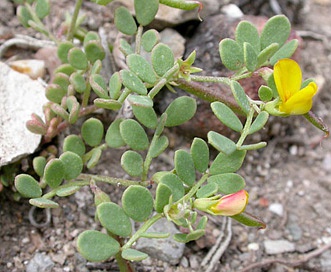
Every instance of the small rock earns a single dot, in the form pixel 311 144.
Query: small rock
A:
pixel 278 246
pixel 194 262
pixel 167 249
pixel 327 162
pixel 33 68
pixel 295 230
pixel 40 263
pixel 277 208
pixel 253 247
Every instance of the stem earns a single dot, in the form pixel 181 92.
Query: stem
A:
pixel 142 229
pixel 74 18
pixel 247 127
pixel 194 189
pixel 123 265
pixel 80 183
pixel 138 39
pixel 223 80
pixel 111 180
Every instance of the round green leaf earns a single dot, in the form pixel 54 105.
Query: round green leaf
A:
pixel 55 93
pixel 99 86
pixel 67 191
pixel 247 32
pixel 43 203
pixel 96 246
pixel 276 30
pixel 113 136
pixel 227 163
pixel 27 186
pixel 39 164
pixel 91 36
pixel 149 39
pixel 24 16
pixel 286 51
pixel 133 255
pixel 228 183
pixel 250 57
pixel 92 131
pixel 132 162
pixel 62 80
pixel 63 51
pixel 207 190
pixel 145 10
pixel 221 143
pixel 184 167
pixel 65 68
pixel 134 135
pixel 267 53
pixel 231 54
pixel 124 21
pixel 176 186
pixel 259 122
pixel 115 85
pixel 77 59
pixel 125 47
pixel 74 144
pixel 94 51
pixel 159 146
pixel 132 82
pixel 137 202
pixel 180 110
pixel 146 116
pixel 54 172
pixel 240 96
pixel 141 67
pixel 265 93
pixel 78 81
pixel 73 165
pixel 42 8
pixel 114 219
pixel 162 59
pixel 109 104
pixel 95 155
pixel 200 154
pixel 226 116
pixel 140 101
pixel 162 196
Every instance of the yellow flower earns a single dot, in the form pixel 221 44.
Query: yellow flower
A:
pixel 288 79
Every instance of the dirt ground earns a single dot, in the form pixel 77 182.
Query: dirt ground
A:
pixel 289 183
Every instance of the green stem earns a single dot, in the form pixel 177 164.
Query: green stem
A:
pixel 194 189
pixel 246 128
pixel 111 180
pixel 138 39
pixel 223 80
pixel 74 18
pixel 142 229
pixel 80 183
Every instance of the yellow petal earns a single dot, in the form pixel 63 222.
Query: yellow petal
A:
pixel 301 102
pixel 288 76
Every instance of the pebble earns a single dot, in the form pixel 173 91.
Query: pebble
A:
pixel 278 246
pixel 253 247
pixel 277 208
pixel 326 165
pixel 40 262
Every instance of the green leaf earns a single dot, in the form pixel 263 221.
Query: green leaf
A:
pixel 140 101
pixel 221 143
pixel 39 164
pixel 27 186
pixel 249 220
pixel 184 167
pixel 99 86
pixel 240 96
pixel 109 104
pixel 207 190
pixel 226 116
pixel 96 246
pixel 55 93
pixel 65 68
pixel 162 59
pixel 246 32
pixel 200 154
pixel 259 122
pixel 231 54
pixel 180 110
pixel 74 109
pixel 67 191
pixel 96 67
pixel 60 111
pixel 145 10
pixel 114 219
pixel 92 131
pixel 91 36
pixel 94 157
pixel 133 255
pixel 54 172
pixel 132 162
pixel 78 81
pixel 159 146
pixel 42 8
pixel 94 51
pixel 43 203
pixel 149 39
pixel 250 57
pixel 115 85
pixel 62 80
pixel 141 67
pixel 228 183
pixel 113 136
pixel 276 30
pixel 124 21
pixel 73 165
pixel 102 2
pixel 74 144
pixel 286 51
pixel 137 202
pixel 134 135
pixel 195 235
pixel 265 93
pixel 267 53
pixel 162 196
pixel 146 116
pixel 24 16
pixel 224 163
pixel 77 59
pixel 125 47
pixel 132 82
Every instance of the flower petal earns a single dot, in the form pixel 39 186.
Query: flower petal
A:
pixel 231 204
pixel 301 102
pixel 288 77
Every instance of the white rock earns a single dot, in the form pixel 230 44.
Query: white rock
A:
pixel 278 246
pixel 253 247
pixel 31 67
pixel 20 97
pixel 276 208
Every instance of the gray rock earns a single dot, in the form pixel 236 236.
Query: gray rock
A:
pixel 276 208
pixel 167 249
pixel 40 263
pixel 20 97
pixel 278 246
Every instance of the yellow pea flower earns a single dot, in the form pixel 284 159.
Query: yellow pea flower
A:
pixel 288 80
